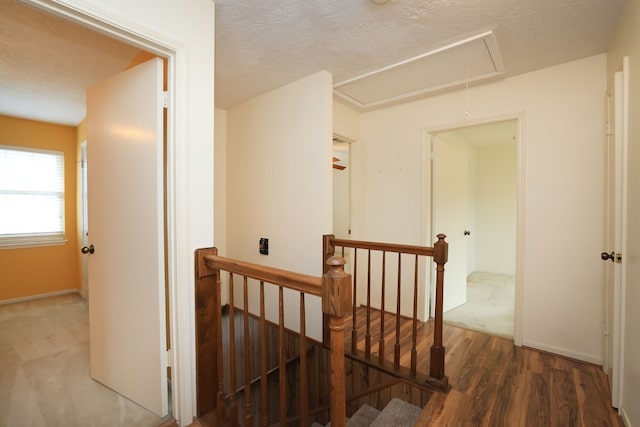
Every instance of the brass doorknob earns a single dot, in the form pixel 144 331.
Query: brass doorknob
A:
pixel 88 250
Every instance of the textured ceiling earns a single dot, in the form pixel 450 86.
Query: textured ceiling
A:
pixel 264 44
pixel 46 64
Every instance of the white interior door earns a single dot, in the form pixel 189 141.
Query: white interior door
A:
pixel 450 212
pixel 615 230
pixel 126 271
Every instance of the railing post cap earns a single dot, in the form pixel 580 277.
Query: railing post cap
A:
pixel 336 261
pixel 336 288
pixel 441 236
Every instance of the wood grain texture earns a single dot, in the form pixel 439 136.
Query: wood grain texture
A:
pixel 493 383
pixel 439 252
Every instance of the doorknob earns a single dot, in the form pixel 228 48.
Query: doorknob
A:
pixel 88 250
pixel 606 256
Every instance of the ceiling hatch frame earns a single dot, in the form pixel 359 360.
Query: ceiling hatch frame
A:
pixel 460 63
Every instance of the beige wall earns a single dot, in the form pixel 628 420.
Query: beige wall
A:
pixel 626 42
pixel 562 112
pixel 346 121
pixel 279 181
pixel 28 272
pixel 220 188
pixel 496 202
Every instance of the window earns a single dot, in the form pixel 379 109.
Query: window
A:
pixel 31 196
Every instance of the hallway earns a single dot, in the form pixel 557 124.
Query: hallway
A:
pixel 44 381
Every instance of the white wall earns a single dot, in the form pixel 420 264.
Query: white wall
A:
pixel 280 182
pixel 220 189
pixel 626 42
pixel 496 202
pixel 346 121
pixel 563 110
pixel 188 29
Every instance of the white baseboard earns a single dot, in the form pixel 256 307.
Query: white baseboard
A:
pixel 565 352
pixel 39 296
pixel 625 418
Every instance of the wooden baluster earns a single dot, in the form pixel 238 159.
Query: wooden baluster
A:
pixel 382 308
pixel 248 416
pixel 436 368
pixel 414 335
pixel 232 355
pixel 264 391
pixel 282 359
pixel 336 301
pixel 354 329
pixel 396 355
pixel 367 334
pixel 304 380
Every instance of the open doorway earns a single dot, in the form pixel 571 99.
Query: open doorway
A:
pixel 474 202
pixel 341 187
pixel 63 23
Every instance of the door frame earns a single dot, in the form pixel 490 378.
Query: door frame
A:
pixel 84 218
pixel 179 259
pixel 615 274
pixel 426 216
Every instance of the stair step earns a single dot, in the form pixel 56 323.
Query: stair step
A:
pixel 397 413
pixel 363 417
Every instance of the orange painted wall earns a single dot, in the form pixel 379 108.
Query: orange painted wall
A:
pixel 27 272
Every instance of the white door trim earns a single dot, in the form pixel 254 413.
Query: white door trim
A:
pixel 622 124
pixel 179 261
pixel 520 220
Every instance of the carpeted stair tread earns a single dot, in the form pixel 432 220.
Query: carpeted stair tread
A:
pixel 397 413
pixel 363 417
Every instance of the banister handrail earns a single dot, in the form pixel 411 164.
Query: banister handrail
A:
pixel 436 376
pixel 334 289
pixel 387 247
pixel 288 279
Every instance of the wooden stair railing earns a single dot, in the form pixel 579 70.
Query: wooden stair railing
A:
pixel 216 362
pixel 436 377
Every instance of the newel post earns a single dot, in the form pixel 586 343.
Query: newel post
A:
pixel 207 304
pixel 336 303
pixel 436 369
pixel 328 250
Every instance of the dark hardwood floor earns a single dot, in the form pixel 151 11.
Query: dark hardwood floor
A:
pixel 494 383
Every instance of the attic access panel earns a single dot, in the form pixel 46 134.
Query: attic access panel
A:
pixel 468 60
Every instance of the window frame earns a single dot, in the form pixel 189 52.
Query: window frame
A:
pixel 37 239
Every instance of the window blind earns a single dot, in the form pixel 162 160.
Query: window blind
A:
pixel 31 195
